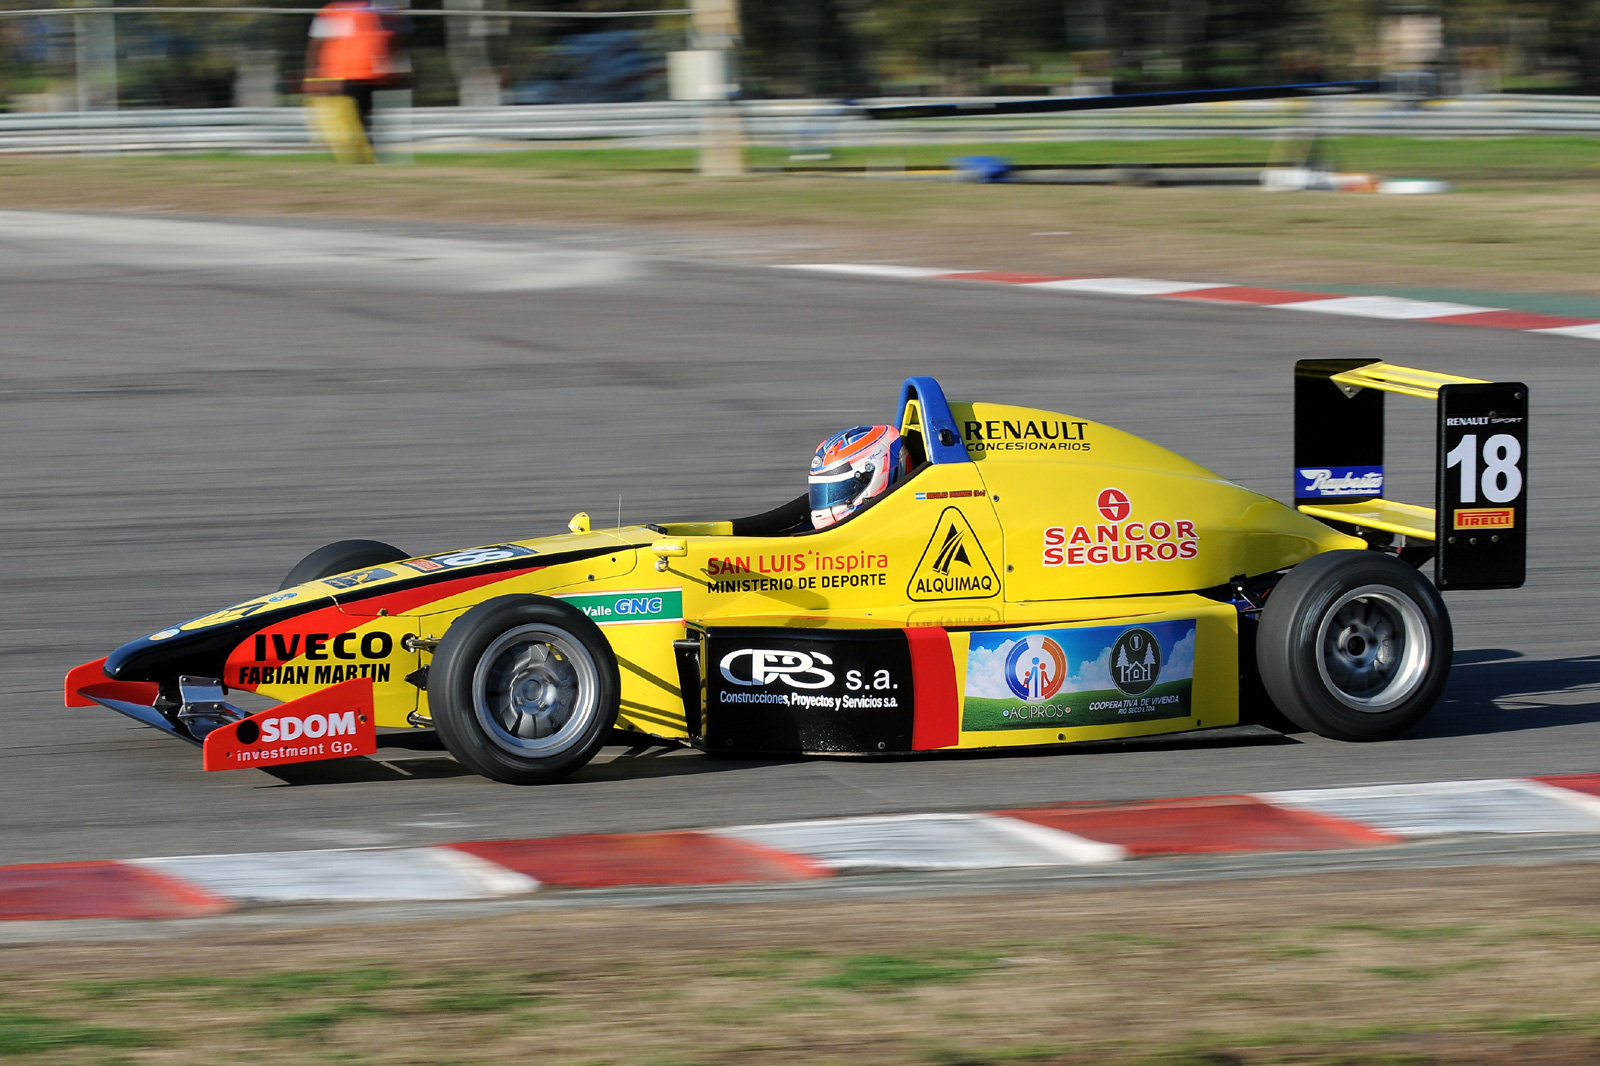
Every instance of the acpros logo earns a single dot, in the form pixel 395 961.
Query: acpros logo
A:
pixel 753 667
pixel 312 725
pixel 1035 668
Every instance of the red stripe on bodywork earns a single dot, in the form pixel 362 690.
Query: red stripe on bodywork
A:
pixel 645 859
pixel 66 890
pixel 1211 823
pixel 407 600
pixel 336 618
pixel 937 721
pixel 1245 294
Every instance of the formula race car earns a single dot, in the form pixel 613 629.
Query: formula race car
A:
pixel 1037 579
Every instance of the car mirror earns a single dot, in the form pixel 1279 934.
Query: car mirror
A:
pixel 663 549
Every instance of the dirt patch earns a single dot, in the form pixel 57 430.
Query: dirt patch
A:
pixel 1461 966
pixel 1514 235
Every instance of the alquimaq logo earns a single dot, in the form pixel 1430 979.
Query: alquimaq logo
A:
pixel 1035 668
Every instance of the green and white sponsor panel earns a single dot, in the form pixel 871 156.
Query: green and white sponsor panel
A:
pixel 634 607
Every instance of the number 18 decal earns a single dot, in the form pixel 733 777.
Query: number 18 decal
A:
pixel 1502 477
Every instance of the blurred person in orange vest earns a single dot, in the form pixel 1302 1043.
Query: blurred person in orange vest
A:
pixel 355 51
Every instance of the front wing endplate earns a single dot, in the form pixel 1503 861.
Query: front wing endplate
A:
pixel 335 723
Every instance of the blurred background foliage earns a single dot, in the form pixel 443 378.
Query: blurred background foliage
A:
pixel 850 48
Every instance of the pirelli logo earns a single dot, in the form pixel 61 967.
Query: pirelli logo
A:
pixel 1485 518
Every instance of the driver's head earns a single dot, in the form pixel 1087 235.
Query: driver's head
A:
pixel 851 468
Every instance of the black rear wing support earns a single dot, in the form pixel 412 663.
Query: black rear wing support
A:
pixel 1477 526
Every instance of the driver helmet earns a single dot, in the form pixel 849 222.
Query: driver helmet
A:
pixel 853 467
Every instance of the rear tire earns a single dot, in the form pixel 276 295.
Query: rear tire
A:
pixel 341 557
pixel 523 689
pixel 1354 645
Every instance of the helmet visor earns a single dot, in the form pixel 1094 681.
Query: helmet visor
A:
pixel 829 494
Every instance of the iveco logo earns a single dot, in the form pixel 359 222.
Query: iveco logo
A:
pixel 797 669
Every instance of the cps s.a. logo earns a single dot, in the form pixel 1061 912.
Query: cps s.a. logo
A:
pixel 756 667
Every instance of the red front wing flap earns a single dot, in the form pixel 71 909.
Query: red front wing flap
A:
pixel 335 723
pixel 92 676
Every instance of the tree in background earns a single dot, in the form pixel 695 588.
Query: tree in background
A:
pixel 847 47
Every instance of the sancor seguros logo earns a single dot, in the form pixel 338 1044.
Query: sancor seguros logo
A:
pixel 754 667
pixel 1035 668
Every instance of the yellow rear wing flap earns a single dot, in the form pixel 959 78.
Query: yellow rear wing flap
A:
pixel 1477 527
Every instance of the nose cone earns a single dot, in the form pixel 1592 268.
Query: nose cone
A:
pixel 164 655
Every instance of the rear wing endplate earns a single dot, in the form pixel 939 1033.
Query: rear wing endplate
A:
pixel 1478 523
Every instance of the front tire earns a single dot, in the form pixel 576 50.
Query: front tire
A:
pixel 1354 645
pixel 341 557
pixel 523 689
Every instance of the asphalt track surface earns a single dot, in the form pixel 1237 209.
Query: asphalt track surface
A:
pixel 181 426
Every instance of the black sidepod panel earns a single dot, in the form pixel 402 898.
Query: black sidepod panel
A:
pixel 791 690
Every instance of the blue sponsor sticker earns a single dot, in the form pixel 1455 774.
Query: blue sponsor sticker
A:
pixel 1337 482
pixel 362 577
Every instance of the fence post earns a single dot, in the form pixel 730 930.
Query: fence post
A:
pixel 715 25
pixel 94 55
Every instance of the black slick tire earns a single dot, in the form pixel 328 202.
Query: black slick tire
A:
pixel 1354 645
pixel 341 557
pixel 523 689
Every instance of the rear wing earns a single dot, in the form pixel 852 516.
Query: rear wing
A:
pixel 1477 527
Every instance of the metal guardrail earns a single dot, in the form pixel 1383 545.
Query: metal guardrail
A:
pixel 785 123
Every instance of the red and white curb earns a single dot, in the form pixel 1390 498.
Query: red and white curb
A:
pixel 1386 307
pixel 1070 834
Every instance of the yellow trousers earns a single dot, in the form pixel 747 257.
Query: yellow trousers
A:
pixel 335 122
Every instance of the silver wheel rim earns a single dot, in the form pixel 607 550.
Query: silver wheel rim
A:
pixel 1373 648
pixel 535 691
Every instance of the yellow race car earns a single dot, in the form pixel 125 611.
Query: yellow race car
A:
pixel 1036 579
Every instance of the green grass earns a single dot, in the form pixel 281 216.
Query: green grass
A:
pixel 1116 941
pixel 1453 156
pixel 1292 951
pixel 1537 1026
pixel 301 1024
pixel 1403 156
pixel 1431 973
pixel 480 1001
pixel 32 1034
pixel 1402 973
pixel 889 972
pixel 272 987
pixel 1413 932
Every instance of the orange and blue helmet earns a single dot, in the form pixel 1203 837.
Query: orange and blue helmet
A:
pixel 853 467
